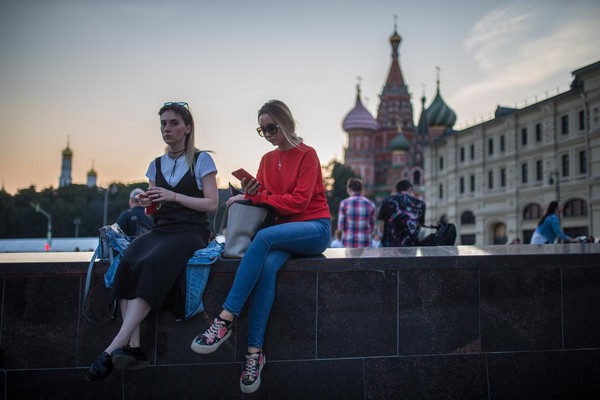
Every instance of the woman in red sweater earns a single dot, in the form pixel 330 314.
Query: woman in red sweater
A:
pixel 289 180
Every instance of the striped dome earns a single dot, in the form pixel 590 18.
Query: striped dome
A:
pixel 438 113
pixel 359 117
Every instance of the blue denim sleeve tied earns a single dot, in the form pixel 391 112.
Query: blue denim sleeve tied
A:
pixel 197 271
pixel 119 242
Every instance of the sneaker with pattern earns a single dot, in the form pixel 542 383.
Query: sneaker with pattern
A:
pixel 218 332
pixel 250 379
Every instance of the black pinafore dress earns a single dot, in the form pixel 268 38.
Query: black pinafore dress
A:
pixel 154 265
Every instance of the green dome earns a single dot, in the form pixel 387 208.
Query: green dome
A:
pixel 399 143
pixel 439 113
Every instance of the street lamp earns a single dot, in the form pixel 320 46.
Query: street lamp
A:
pixel 112 189
pixel 47 214
pixel 77 222
pixel 554 178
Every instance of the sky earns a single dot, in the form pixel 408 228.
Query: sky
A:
pixel 95 73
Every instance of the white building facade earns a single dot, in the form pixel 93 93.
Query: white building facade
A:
pixel 494 180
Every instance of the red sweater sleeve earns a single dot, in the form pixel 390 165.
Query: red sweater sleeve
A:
pixel 296 191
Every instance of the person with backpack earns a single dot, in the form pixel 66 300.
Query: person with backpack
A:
pixel 401 216
pixel 134 221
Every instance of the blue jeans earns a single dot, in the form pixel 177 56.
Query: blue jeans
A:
pixel 257 272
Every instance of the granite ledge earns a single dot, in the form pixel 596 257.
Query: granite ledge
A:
pixel 335 260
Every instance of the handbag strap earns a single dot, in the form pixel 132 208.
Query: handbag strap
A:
pixel 86 292
pixel 223 218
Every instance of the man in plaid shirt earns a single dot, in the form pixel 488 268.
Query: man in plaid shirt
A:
pixel 356 218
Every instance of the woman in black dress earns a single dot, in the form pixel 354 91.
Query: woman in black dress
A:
pixel 151 275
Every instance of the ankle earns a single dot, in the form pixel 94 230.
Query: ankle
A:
pixel 253 350
pixel 226 316
pixel 227 321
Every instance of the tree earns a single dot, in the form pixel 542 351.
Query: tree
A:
pixel 337 175
pixel 65 204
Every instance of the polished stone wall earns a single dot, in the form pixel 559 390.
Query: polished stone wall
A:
pixel 493 322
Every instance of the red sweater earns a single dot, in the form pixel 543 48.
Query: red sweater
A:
pixel 296 190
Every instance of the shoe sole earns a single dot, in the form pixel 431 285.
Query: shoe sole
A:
pixel 203 349
pixel 254 387
pixel 128 362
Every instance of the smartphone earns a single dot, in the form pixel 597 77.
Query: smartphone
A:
pixel 151 209
pixel 242 174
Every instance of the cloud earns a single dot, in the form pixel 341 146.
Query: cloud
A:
pixel 514 50
pixel 493 35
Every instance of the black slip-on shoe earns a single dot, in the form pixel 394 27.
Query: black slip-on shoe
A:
pixel 100 368
pixel 129 358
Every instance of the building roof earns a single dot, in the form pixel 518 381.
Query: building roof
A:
pixel 422 127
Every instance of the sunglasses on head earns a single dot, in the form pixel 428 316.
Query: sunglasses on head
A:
pixel 271 129
pixel 177 103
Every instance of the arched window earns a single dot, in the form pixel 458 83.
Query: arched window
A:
pixel 532 211
pixel 575 208
pixel 499 231
pixel 467 218
pixel 417 178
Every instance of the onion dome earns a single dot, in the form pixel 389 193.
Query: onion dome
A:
pixel 359 117
pixel 92 172
pixel 438 113
pixel 67 152
pixel 399 143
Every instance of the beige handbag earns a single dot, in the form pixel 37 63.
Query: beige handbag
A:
pixel 243 221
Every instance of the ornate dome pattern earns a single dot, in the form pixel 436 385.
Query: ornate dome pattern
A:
pixel 438 113
pixel 359 117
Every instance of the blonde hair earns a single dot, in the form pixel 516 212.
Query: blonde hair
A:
pixel 283 117
pixel 190 138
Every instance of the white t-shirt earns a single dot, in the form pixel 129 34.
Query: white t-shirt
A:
pixel 174 170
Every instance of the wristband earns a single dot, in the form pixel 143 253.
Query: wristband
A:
pixel 174 196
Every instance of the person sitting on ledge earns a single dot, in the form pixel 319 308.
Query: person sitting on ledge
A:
pixel 289 180
pixel 152 272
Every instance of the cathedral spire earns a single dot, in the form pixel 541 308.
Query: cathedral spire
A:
pixel 395 79
pixel 65 170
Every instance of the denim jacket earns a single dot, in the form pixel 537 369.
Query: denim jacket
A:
pixel 197 271
pixel 119 242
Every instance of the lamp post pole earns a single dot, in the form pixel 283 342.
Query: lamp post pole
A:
pixel 47 214
pixel 554 176
pixel 112 189
pixel 77 222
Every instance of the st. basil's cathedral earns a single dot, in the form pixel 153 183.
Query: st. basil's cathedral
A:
pixel 388 148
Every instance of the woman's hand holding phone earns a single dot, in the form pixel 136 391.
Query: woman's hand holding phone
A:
pixel 249 183
pixel 150 207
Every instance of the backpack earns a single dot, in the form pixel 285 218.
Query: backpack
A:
pixel 445 235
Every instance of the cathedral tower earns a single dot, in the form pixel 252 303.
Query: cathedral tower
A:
pixel 395 116
pixel 65 170
pixel 92 177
